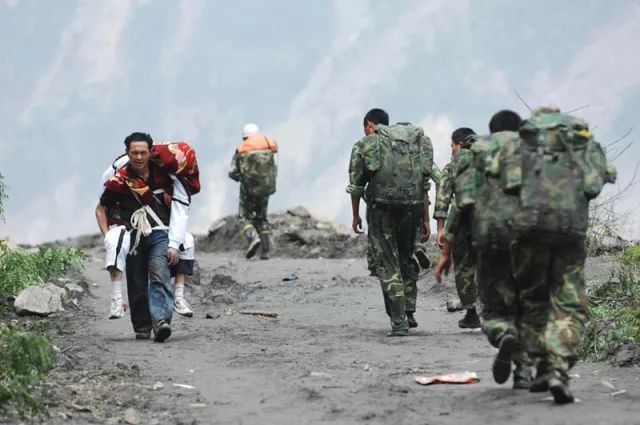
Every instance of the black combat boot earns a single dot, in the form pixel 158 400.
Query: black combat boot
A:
pixel 559 388
pixel 412 320
pixel 471 320
pixel 502 363
pixel 399 324
pixel 265 242
pixel 254 242
pixel 423 260
pixel 540 384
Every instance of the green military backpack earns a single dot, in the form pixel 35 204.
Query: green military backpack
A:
pixel 554 169
pixel 400 159
pixel 258 172
pixel 494 210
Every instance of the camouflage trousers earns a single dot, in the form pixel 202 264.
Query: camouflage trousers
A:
pixel 501 305
pixel 253 211
pixel 392 234
pixel 464 267
pixel 411 296
pixel 551 282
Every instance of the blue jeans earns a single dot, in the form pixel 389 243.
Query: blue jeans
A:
pixel 149 282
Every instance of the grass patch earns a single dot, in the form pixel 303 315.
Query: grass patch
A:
pixel 615 310
pixel 19 269
pixel 24 358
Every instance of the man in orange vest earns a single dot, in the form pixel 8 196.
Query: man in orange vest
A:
pixel 254 166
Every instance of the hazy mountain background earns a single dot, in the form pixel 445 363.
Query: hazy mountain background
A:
pixel 77 76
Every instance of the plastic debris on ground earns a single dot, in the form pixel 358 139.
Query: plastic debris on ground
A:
pixel 449 378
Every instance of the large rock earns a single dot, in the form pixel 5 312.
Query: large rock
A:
pixel 40 300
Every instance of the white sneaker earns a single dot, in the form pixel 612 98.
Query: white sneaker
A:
pixel 117 307
pixel 182 307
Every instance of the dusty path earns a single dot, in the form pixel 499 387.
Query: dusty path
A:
pixel 326 358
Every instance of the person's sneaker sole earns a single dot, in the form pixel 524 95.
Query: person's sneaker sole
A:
pixel 423 260
pixel 253 248
pixel 502 364
pixel 162 333
pixel 560 391
pixel 187 314
pixel 115 316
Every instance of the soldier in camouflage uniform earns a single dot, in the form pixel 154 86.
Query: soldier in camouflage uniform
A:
pixel 538 302
pixel 496 287
pixel 551 224
pixel 392 164
pixel 463 258
pixel 254 166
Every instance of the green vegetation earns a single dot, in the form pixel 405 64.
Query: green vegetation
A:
pixel 615 310
pixel 24 358
pixel 19 269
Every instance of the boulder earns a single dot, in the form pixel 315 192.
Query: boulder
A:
pixel 40 300
pixel 74 289
pixel 299 211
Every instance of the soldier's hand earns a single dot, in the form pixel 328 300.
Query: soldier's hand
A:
pixel 356 225
pixel 173 255
pixel 426 231
pixel 444 265
pixel 439 239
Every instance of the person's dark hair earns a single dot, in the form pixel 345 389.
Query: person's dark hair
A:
pixel 138 137
pixel 376 116
pixel 459 135
pixel 505 120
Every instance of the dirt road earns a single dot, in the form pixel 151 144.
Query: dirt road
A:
pixel 324 359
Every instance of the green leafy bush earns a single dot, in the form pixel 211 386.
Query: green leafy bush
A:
pixel 631 256
pixel 19 269
pixel 615 312
pixel 24 358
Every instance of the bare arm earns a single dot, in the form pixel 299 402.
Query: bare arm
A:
pixel 356 224
pixel 426 227
pixel 101 217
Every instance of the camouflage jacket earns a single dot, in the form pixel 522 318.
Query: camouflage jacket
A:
pixel 444 192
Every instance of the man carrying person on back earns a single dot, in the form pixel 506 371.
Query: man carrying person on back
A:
pixel 139 189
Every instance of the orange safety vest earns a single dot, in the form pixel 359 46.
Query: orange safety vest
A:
pixel 257 142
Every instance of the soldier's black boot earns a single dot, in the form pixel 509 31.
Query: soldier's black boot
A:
pixel 265 243
pixel 423 260
pixel 559 388
pixel 399 324
pixel 412 320
pixel 540 384
pixel 502 363
pixel 254 242
pixel 471 320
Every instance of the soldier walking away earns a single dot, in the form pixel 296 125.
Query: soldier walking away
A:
pixel 391 167
pixel 489 209
pixel 555 170
pixel 463 258
pixel 254 166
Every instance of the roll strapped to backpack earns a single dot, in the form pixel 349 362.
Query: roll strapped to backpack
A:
pixel 400 159
pixel 555 169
